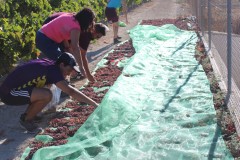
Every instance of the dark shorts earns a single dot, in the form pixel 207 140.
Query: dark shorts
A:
pixel 48 47
pixel 17 97
pixel 111 14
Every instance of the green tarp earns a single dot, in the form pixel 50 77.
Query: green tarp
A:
pixel 160 107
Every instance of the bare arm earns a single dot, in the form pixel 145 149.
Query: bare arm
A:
pixel 85 65
pixel 76 94
pixel 75 34
pixel 67 46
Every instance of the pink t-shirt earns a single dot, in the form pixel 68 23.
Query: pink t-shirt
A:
pixel 60 28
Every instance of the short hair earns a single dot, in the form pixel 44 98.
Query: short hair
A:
pixel 100 28
pixel 85 18
pixel 68 60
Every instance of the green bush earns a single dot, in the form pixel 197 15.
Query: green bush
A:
pixel 21 19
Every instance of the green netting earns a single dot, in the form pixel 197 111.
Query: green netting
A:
pixel 160 107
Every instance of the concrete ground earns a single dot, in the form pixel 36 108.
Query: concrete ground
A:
pixel 13 140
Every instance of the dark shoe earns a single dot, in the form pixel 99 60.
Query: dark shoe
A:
pixel 63 95
pixel 118 37
pixel 116 41
pixel 36 119
pixel 22 117
pixel 30 126
pixel 71 84
pixel 77 77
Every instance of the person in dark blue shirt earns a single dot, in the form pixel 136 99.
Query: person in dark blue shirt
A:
pixel 25 85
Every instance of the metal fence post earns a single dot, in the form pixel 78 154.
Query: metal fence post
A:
pixel 202 17
pixel 209 24
pixel 229 48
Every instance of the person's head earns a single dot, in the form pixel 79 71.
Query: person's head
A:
pixel 67 63
pixel 99 30
pixel 85 18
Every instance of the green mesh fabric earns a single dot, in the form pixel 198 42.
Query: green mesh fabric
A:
pixel 160 107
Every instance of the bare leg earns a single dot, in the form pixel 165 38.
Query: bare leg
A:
pixel 115 30
pixel 40 97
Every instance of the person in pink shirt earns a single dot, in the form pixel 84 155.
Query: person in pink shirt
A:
pixel 67 26
pixel 98 31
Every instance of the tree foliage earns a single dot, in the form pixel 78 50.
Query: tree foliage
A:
pixel 19 21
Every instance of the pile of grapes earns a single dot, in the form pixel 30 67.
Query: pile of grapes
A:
pixel 67 122
pixel 224 118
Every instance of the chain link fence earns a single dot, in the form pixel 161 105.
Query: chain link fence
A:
pixel 219 22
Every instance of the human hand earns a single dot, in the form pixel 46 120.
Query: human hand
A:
pixel 91 78
pixel 68 49
pixel 82 72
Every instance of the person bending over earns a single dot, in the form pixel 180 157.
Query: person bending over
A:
pixel 96 32
pixel 67 26
pixel 29 86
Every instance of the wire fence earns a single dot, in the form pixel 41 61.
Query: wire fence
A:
pixel 219 22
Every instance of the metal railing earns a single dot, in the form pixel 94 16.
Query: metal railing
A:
pixel 219 22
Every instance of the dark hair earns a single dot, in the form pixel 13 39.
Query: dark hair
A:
pixel 100 28
pixel 68 60
pixel 65 58
pixel 85 18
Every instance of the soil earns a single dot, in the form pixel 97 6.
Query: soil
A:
pixel 12 147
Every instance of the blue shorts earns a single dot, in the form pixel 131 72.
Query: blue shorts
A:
pixel 17 97
pixel 48 47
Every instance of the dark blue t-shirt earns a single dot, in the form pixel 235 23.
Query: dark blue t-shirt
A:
pixel 35 73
